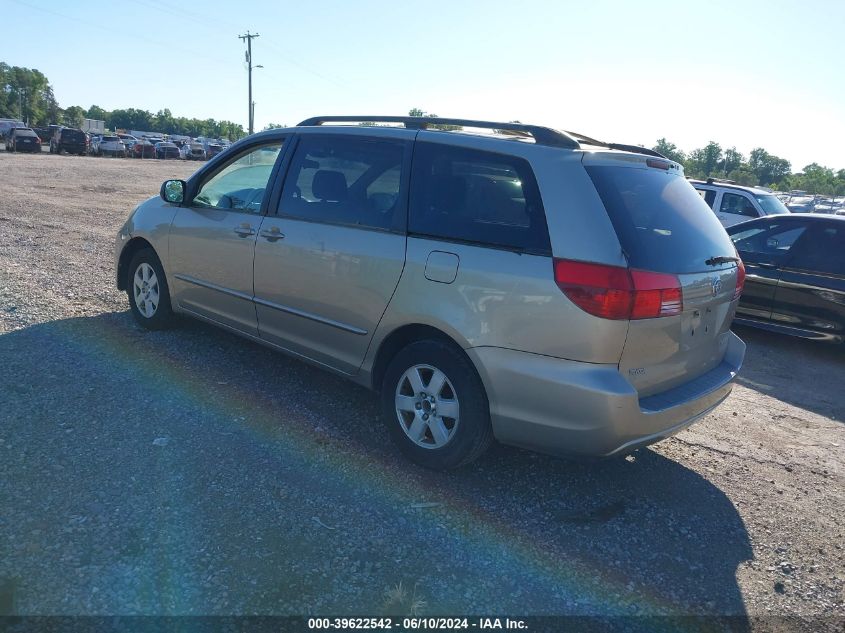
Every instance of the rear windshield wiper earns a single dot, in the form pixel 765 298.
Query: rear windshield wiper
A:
pixel 721 259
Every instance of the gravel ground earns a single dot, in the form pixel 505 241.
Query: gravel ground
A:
pixel 191 472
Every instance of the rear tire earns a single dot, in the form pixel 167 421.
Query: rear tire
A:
pixel 149 296
pixel 435 407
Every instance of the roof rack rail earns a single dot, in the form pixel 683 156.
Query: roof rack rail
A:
pixel 724 181
pixel 636 149
pixel 541 135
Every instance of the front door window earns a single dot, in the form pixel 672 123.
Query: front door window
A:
pixel 240 184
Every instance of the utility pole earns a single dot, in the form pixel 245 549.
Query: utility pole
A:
pixel 248 39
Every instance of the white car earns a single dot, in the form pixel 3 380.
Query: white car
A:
pixel 733 204
pixel 110 146
pixel 192 150
pixel 93 142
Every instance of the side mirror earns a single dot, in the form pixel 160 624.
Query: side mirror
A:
pixel 173 191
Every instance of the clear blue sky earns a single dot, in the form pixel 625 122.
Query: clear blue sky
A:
pixel 741 73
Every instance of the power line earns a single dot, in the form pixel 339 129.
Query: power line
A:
pixel 287 56
pixel 121 37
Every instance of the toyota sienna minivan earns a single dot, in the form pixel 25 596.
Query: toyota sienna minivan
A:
pixel 488 280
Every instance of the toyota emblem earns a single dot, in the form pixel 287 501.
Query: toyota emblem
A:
pixel 717 286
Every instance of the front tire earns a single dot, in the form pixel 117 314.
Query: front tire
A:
pixel 435 407
pixel 149 296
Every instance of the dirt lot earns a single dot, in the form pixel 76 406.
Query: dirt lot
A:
pixel 190 472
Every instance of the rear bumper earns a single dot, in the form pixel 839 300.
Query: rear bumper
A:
pixel 565 407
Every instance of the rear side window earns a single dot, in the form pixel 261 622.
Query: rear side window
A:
pixel 737 205
pixel 476 196
pixel 709 196
pixel 770 239
pixel 662 223
pixel 346 180
pixel 823 252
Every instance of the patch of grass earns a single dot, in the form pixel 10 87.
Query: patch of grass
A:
pixel 400 601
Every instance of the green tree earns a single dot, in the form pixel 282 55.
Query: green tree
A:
pixel 731 161
pixel 704 162
pixel 274 126
pixel 669 150
pixel 73 116
pixel 743 176
pixel 97 113
pixel 768 168
pixel 53 113
pixel 818 180
pixel 163 122
pixel 24 94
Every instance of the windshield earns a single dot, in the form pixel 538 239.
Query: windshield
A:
pixel 771 205
pixel 663 224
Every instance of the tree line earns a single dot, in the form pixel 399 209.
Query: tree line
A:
pixel 26 94
pixel 760 168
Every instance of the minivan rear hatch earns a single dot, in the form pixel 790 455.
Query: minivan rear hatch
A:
pixel 666 229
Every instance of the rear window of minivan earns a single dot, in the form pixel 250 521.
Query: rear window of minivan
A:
pixel 662 223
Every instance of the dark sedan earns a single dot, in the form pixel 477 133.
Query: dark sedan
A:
pixel 166 150
pixel 795 267
pixel 22 139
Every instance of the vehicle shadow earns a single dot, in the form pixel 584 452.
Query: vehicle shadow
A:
pixel 783 366
pixel 189 471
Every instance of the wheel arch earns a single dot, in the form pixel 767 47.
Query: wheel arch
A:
pixel 400 338
pixel 132 246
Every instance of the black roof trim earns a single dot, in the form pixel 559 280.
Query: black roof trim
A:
pixel 636 149
pixel 724 185
pixel 541 135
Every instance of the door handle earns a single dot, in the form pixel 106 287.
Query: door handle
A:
pixel 244 229
pixel 272 234
pixel 767 265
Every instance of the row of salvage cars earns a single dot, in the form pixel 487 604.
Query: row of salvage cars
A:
pixel 74 141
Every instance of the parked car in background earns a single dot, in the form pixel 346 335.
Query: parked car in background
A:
pixel 111 146
pixel 8 124
pixel 44 134
pixel 733 204
pixel 166 150
pixel 795 274
pixel 142 148
pixel 128 142
pixel 211 148
pixel 455 286
pixel 192 150
pixel 801 204
pixel 70 140
pixel 828 205
pixel 22 139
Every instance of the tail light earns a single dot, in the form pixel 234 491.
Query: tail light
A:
pixel 613 292
pixel 740 279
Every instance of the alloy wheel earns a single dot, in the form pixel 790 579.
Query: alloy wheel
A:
pixel 427 406
pixel 146 290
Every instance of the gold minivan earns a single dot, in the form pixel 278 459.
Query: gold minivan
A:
pixel 489 280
